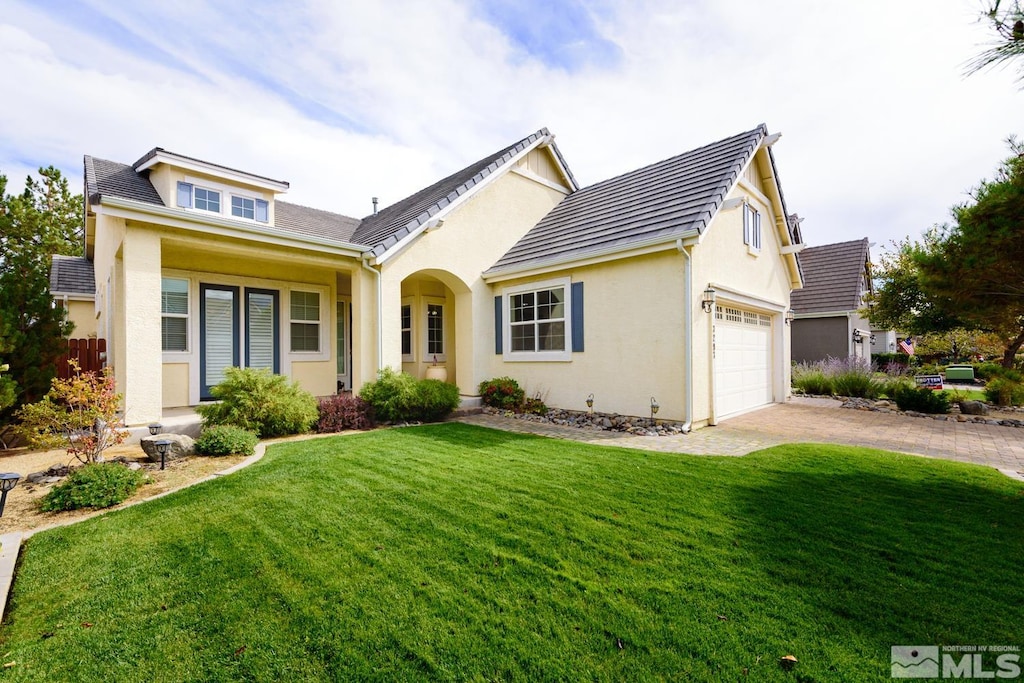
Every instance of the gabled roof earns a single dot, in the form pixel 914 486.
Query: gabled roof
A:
pixel 71 275
pixel 833 274
pixel 386 228
pixel 660 201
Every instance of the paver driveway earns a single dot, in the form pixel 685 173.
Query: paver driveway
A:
pixel 818 421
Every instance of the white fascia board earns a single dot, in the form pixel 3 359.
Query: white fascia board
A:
pixel 746 299
pixel 72 296
pixel 400 246
pixel 213 225
pixel 171 159
pixel 591 258
pixel 770 140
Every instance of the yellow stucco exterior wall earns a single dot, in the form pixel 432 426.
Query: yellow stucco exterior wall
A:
pixel 83 315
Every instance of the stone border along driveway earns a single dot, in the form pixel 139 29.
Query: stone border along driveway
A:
pixel 812 420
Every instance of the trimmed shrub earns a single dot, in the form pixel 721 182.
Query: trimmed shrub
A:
pixel 391 396
pixel 854 377
pixel 922 400
pixel 501 392
pixel 1005 391
pixel 535 406
pixel 96 485
pixel 884 360
pixel 399 397
pixel 988 370
pixel 892 384
pixel 342 412
pixel 261 402
pixel 226 440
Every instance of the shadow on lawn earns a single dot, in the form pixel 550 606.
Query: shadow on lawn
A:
pixel 467 436
pixel 921 552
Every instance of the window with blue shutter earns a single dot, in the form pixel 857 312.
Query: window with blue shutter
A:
pixel 185 195
pixel 576 307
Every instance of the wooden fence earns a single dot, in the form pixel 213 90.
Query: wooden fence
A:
pixel 91 355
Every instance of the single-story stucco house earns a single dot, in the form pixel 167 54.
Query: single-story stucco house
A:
pixel 672 281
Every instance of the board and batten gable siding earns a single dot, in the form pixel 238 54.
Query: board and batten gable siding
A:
pixel 633 324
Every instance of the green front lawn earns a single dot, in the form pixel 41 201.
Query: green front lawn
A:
pixel 454 552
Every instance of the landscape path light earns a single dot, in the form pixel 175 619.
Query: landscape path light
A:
pixel 161 447
pixel 8 480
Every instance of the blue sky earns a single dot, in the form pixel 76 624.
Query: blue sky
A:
pixel 882 133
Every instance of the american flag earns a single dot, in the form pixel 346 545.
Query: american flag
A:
pixel 907 346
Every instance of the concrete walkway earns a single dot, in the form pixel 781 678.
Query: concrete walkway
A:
pixel 816 421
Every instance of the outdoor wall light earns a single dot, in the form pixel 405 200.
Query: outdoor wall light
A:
pixel 708 302
pixel 654 408
pixel 161 447
pixel 789 316
pixel 590 402
pixel 155 428
pixel 8 480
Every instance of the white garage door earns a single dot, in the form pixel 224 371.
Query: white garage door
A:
pixel 743 369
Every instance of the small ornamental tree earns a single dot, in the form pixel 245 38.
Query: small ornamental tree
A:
pixel 79 414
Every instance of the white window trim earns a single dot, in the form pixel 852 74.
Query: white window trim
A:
pixel 434 301
pixel 178 356
pixel 324 353
pixel 226 193
pixel 410 302
pixel 508 355
pixel 753 237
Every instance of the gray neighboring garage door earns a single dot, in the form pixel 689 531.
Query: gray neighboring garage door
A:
pixel 743 369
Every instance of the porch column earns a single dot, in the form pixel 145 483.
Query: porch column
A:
pixel 364 327
pixel 391 312
pixel 141 360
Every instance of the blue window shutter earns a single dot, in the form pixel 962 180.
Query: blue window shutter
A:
pixel 185 195
pixel 576 303
pixel 262 210
pixel 498 332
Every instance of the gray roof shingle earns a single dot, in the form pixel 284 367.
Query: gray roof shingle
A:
pixel 314 222
pixel 394 222
pixel 833 274
pixel 110 179
pixel 72 275
pixel 663 199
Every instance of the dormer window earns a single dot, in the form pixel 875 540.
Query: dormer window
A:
pixel 192 196
pixel 246 207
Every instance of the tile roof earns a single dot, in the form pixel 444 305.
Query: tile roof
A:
pixel 833 274
pixel 72 275
pixel 661 200
pixel 394 222
pixel 378 232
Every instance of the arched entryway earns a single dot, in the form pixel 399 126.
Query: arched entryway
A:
pixel 435 325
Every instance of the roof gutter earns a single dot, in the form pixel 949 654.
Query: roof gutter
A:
pixel 687 336
pixel 661 243
pixel 214 225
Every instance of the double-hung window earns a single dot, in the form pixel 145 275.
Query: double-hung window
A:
pixel 174 314
pixel 751 228
pixel 538 322
pixel 202 198
pixel 435 331
pixel 407 333
pixel 305 322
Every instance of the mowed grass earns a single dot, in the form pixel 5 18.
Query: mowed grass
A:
pixel 452 552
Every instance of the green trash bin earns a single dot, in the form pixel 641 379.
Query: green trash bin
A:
pixel 960 373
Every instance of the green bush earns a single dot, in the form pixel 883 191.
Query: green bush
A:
pixel 811 378
pixel 1005 391
pixel 884 360
pixel 226 440
pixel 96 485
pixel 921 400
pixel 535 406
pixel 893 383
pixel 399 397
pixel 261 402
pixel 988 370
pixel 856 381
pixel 501 392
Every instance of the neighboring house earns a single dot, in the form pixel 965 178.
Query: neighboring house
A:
pixel 199 267
pixel 73 288
pixel 827 322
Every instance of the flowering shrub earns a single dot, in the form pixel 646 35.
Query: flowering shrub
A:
pixel 78 413
pixel 501 392
pixel 844 377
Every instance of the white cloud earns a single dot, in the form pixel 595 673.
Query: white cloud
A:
pixel 882 133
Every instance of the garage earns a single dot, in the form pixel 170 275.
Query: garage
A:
pixel 743 374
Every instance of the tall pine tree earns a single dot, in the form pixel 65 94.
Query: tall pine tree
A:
pixel 43 220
